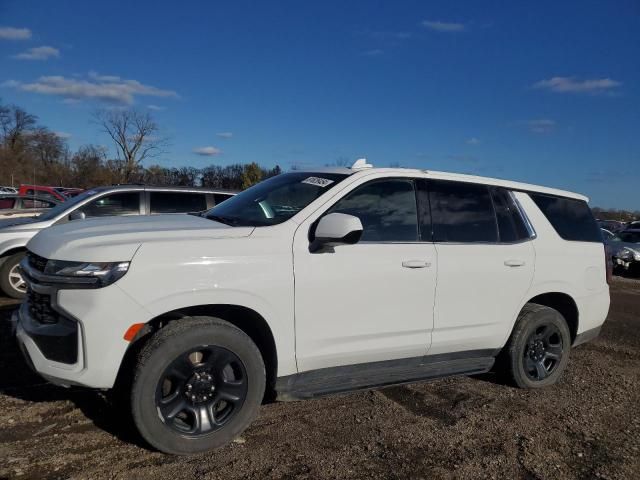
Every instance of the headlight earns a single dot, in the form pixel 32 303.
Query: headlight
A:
pixel 628 253
pixel 92 274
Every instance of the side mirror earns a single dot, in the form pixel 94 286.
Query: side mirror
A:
pixel 336 229
pixel 77 215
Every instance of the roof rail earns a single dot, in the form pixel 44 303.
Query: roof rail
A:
pixel 360 164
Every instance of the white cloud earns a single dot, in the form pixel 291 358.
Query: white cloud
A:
pixel 63 135
pixel 157 108
pixel 373 52
pixel 207 151
pixel 12 33
pixel 105 88
pixel 224 134
pixel 472 141
pixel 10 84
pixel 541 125
pixel 39 53
pixel 438 26
pixel 572 85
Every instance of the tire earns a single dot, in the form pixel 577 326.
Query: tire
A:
pixel 223 390
pixel 538 350
pixel 11 285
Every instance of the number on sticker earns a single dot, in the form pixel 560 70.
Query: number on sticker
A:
pixel 317 181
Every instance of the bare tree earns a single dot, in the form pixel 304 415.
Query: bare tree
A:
pixel 15 123
pixel 136 135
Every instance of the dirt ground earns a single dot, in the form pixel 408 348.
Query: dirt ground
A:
pixel 588 426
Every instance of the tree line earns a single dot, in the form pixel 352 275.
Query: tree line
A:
pixel 32 153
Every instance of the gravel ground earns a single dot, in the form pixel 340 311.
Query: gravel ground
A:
pixel 587 426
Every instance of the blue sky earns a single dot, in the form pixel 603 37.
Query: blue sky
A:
pixel 544 92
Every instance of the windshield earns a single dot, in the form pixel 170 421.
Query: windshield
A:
pixel 69 204
pixel 275 200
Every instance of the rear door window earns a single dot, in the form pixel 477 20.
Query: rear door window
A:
pixel 511 226
pixel 462 212
pixel 571 218
pixel 177 202
pixel 125 203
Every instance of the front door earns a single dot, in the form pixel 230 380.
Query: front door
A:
pixel 371 301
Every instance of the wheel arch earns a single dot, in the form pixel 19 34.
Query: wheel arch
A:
pixel 11 251
pixel 246 319
pixel 564 304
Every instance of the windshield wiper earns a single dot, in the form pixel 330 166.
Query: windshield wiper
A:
pixel 226 220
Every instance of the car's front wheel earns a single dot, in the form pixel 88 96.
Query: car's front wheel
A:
pixel 538 350
pixel 11 280
pixel 198 384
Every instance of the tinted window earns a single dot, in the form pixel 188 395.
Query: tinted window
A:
pixel 114 204
pixel 177 202
pixel 511 226
pixel 7 202
pixel 571 218
pixel 630 237
pixel 387 210
pixel 36 203
pixel 221 197
pixel 461 212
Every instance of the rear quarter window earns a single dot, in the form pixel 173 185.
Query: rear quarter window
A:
pixel 571 218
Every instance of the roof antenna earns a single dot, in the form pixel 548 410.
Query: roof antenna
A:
pixel 361 163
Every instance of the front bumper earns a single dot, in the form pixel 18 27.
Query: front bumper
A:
pixel 89 342
pixel 629 264
pixel 41 344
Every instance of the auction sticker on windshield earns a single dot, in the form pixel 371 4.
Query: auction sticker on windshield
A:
pixel 317 181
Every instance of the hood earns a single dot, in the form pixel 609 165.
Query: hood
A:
pixel 112 239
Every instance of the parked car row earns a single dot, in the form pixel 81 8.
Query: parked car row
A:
pixel 615 226
pixel 123 200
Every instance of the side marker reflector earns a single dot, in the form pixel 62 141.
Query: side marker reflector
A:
pixel 132 331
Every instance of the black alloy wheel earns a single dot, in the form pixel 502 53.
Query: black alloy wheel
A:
pixel 537 351
pixel 543 352
pixel 196 384
pixel 201 390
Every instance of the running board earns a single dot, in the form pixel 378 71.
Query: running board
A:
pixel 363 376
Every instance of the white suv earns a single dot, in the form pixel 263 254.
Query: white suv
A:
pixel 312 283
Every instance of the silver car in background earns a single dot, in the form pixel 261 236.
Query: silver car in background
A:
pixel 624 248
pixel 97 202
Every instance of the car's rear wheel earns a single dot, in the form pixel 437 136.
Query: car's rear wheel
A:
pixel 198 384
pixel 538 350
pixel 12 282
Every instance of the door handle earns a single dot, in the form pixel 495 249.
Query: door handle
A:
pixel 416 264
pixel 514 263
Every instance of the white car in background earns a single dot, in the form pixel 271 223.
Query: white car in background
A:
pixel 99 202
pixel 312 283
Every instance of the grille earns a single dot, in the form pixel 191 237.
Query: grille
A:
pixel 40 308
pixel 37 262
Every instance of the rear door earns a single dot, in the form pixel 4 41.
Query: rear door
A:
pixel 485 264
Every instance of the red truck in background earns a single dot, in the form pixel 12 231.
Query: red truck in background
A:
pixel 57 193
